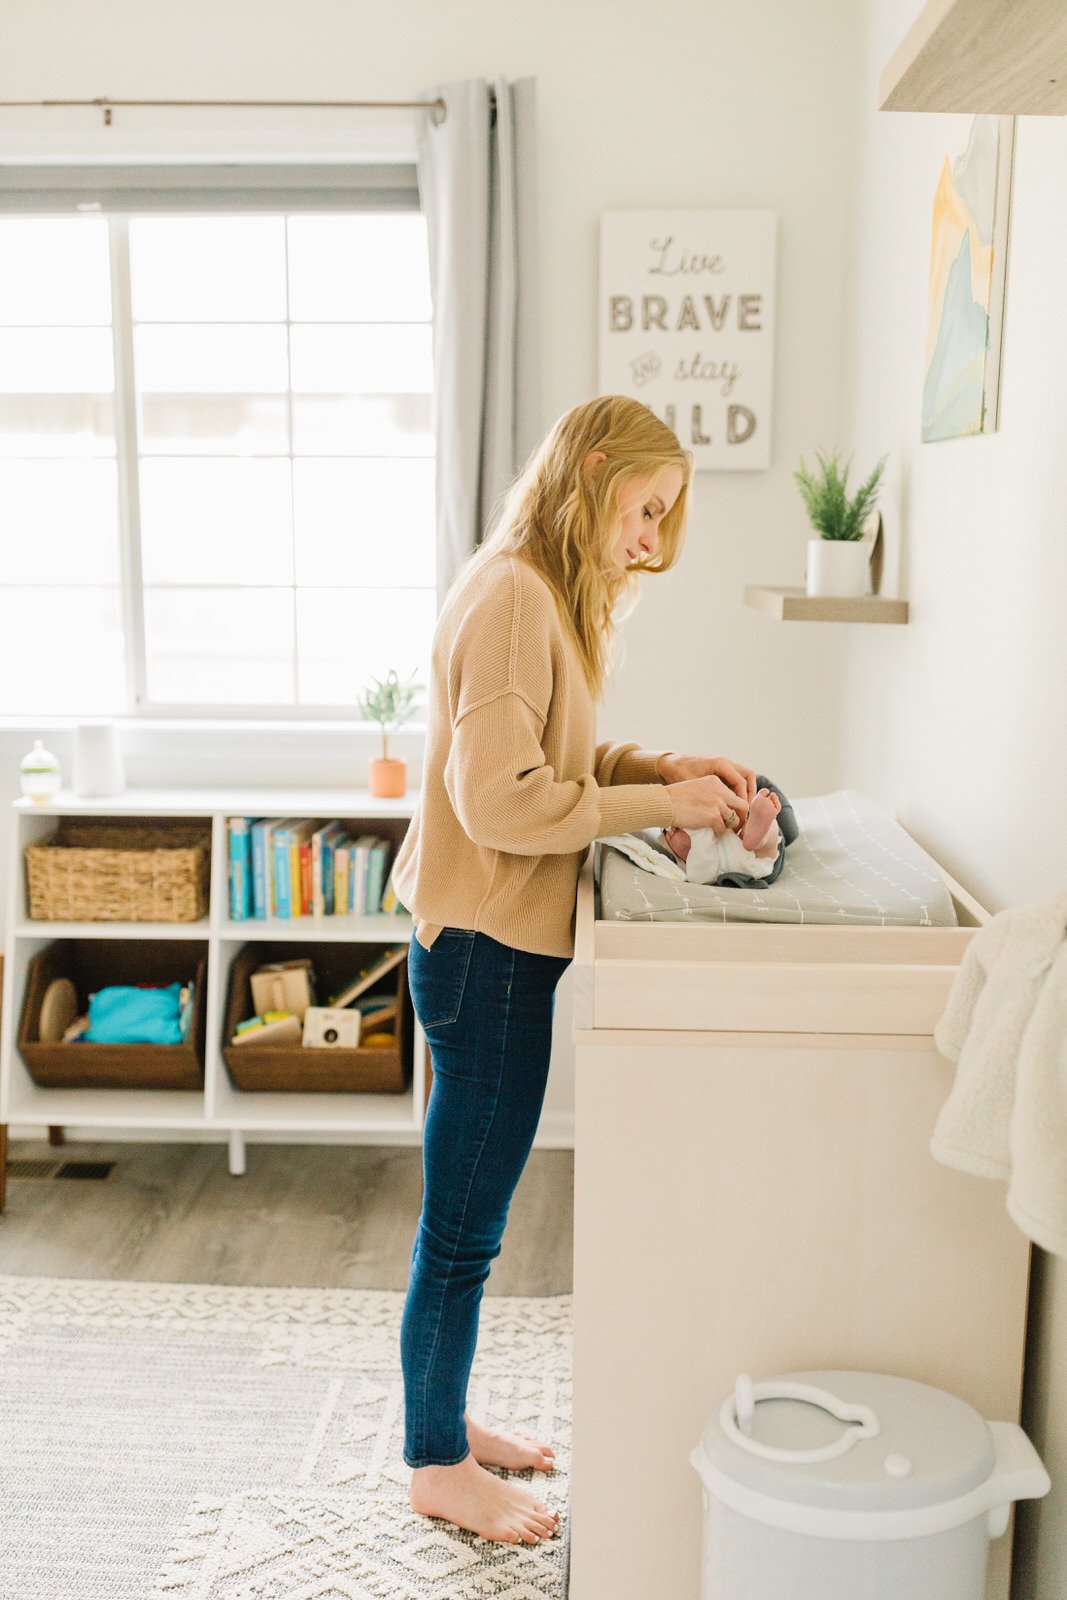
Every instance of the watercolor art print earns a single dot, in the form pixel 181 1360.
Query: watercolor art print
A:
pixel 968 256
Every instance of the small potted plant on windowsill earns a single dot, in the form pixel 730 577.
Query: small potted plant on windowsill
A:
pixel 389 703
pixel 839 559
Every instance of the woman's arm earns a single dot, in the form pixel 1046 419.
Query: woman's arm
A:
pixel 627 763
pixel 507 797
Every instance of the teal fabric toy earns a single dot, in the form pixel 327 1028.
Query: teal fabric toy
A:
pixel 123 1014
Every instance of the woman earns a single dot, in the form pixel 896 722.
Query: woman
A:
pixel 514 790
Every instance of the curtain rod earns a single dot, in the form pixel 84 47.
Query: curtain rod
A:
pixel 106 105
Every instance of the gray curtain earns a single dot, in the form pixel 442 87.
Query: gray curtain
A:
pixel 477 188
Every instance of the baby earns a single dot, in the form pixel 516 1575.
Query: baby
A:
pixel 747 856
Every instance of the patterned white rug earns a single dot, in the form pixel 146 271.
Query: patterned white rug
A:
pixel 209 1443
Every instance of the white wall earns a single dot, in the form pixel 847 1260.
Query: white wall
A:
pixel 956 721
pixel 952 721
pixel 695 106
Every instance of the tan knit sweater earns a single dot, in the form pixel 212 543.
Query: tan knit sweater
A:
pixel 514 786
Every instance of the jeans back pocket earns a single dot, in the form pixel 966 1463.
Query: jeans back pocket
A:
pixel 438 977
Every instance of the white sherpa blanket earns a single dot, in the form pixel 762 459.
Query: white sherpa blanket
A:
pixel 1005 1027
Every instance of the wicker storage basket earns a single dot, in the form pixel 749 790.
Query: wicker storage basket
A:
pixel 90 964
pixel 300 1069
pixel 111 869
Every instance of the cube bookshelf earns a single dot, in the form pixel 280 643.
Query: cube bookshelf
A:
pixel 394 1118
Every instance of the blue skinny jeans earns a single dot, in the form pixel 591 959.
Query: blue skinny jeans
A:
pixel 486 1009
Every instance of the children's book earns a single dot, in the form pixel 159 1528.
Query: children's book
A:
pixel 340 875
pixel 280 1030
pixel 262 873
pixel 380 854
pixel 369 975
pixel 323 841
pixel 318 897
pixel 240 868
pixel 283 900
pixel 305 876
pixel 300 865
pixel 374 1013
pixel 361 858
pixel 391 903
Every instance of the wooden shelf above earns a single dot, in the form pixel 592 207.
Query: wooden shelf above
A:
pixel 1003 57
pixel 796 605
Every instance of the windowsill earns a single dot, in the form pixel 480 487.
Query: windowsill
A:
pixel 212 725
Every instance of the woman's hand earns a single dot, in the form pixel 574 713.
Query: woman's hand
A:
pixel 675 769
pixel 707 803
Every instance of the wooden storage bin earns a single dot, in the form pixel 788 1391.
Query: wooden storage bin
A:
pixel 120 869
pixel 297 1069
pixel 92 964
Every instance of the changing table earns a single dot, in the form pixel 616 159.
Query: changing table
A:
pixel 754 1192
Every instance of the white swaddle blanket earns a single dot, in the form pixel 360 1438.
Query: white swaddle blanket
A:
pixel 1005 1026
pixel 708 857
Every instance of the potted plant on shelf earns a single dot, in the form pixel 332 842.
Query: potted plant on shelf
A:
pixel 390 703
pixel 839 559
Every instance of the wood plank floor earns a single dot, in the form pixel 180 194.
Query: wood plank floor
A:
pixel 332 1216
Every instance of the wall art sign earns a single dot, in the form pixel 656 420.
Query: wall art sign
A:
pixel 687 325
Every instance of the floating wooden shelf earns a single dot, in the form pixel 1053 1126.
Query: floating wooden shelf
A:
pixel 796 605
pixel 1004 57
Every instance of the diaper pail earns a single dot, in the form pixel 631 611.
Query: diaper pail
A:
pixel 833 1485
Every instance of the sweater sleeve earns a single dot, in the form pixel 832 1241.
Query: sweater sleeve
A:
pixel 497 777
pixel 626 763
pixel 507 797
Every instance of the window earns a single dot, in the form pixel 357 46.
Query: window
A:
pixel 216 448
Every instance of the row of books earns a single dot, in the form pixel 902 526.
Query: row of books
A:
pixel 299 867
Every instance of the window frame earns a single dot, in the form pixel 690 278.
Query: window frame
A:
pixel 220 188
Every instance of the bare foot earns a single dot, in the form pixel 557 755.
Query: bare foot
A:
pixel 761 814
pixel 515 1450
pixel 469 1496
pixel 679 841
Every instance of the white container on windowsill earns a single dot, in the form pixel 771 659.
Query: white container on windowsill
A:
pixel 839 568
pixel 98 767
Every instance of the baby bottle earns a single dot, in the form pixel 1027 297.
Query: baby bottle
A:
pixel 40 773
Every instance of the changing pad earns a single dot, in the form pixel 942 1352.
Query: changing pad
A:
pixel 851 864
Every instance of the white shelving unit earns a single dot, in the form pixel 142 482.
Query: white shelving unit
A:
pixel 369 1118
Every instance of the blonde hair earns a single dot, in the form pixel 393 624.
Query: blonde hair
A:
pixel 564 522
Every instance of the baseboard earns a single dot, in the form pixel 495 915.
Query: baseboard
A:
pixel 556 1132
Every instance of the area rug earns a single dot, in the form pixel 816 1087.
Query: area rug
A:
pixel 211 1443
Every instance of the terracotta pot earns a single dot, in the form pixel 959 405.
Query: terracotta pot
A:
pixel 388 778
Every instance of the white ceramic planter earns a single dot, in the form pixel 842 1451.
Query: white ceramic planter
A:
pixel 839 568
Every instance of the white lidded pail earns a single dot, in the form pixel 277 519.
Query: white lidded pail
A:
pixel 829 1485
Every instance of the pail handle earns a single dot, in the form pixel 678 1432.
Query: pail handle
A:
pixel 737 1411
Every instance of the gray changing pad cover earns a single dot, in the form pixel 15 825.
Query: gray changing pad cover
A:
pixel 852 863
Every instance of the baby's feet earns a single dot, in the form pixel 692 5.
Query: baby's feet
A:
pixel 679 841
pixel 513 1450
pixel 761 814
pixel 471 1497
